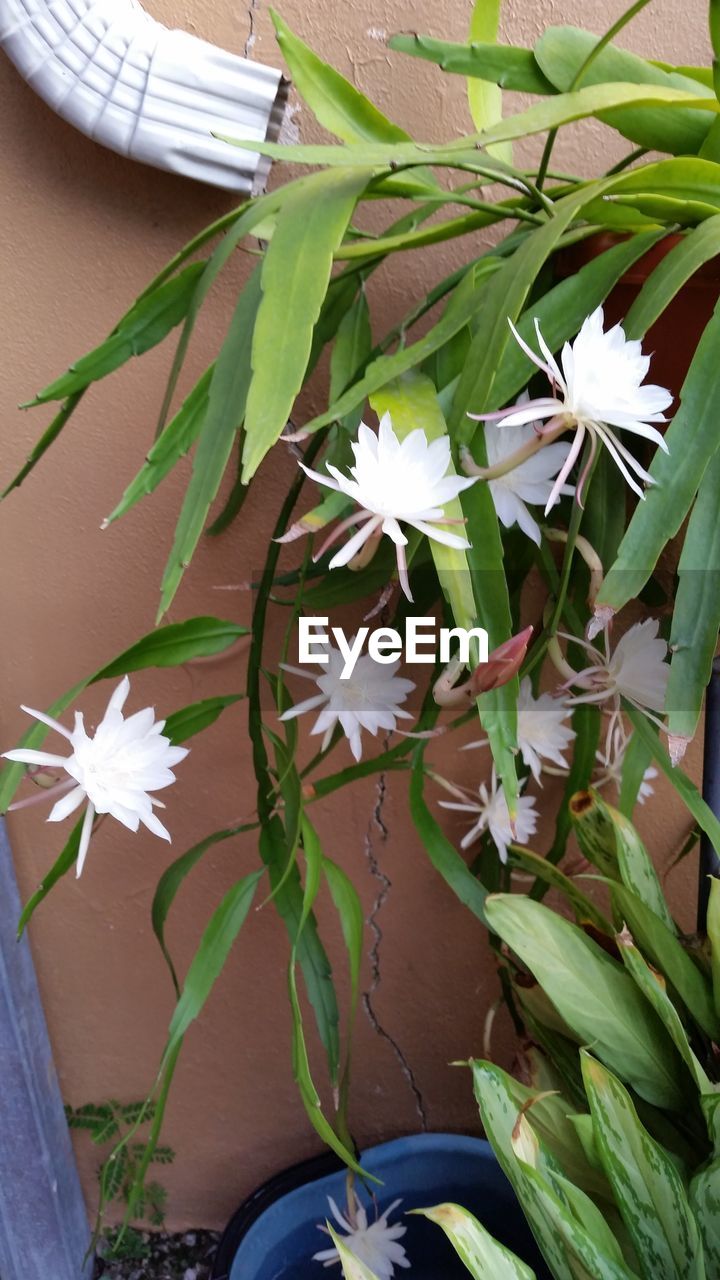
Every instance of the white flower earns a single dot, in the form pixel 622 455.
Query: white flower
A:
pixel 598 385
pixel 395 481
pixel 611 762
pixel 542 732
pixel 114 770
pixel 635 670
pixel 492 815
pixel 368 699
pixel 375 1244
pixel 530 481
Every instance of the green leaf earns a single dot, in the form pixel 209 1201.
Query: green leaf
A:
pixel 503 65
pixel 593 994
pixel 688 792
pixel 648 1189
pixel 384 369
pixel 561 52
pixel 484 1257
pixel 563 109
pixel 662 947
pixel 352 1267
pixel 169 646
pixel 635 763
pixel 696 616
pixel 301 1064
pixel 653 988
pixel 680 190
pixel 172 444
pixel 672 272
pixel 295 277
pixel 713 933
pixel 171 881
pixel 184 724
pixel 210 957
pixel 227 396
pixel 704 1196
pixel 536 865
pixel 67 859
pixel 336 103
pixel 443 855
pixel 571 1253
pixel 586 724
pixel 350 353
pixel 552 1120
pixel 485 99
pixel 146 324
pixel 609 840
pixel 692 439
pixel 352 922
pixel 48 437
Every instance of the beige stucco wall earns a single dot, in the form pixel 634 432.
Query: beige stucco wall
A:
pixel 81 232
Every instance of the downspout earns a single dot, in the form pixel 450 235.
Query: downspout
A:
pixel 149 93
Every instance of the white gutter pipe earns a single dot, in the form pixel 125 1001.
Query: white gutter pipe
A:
pixel 149 93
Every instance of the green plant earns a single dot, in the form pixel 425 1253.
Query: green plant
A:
pixel 111 1122
pixel 611 1143
pixel 451 358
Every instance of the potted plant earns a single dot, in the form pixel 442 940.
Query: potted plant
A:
pixel 503 450
pixel 611 1143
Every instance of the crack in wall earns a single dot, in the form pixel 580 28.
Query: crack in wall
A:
pixel 251 35
pixel 377 824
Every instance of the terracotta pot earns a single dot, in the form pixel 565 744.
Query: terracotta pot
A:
pixel 675 336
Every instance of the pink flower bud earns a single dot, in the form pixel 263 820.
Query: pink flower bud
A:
pixel 503 663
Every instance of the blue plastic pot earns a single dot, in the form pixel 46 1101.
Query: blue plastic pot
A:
pixel 275 1233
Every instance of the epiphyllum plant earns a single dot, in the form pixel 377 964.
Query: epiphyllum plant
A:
pixel 503 428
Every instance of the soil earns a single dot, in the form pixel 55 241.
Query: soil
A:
pixel 186 1256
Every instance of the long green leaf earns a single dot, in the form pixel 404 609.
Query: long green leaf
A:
pixel 170 883
pixel 563 109
pixel 647 1186
pixel 184 724
pixel 663 948
pixel 169 646
pixel 172 444
pixel 593 994
pixel 295 277
pixel 692 439
pixel 672 272
pixel 385 368
pixel 609 840
pixel 696 616
pixel 444 856
pixel 145 325
pixel 685 788
pixel 60 867
pixel 484 1257
pixel 301 1064
pixel 562 51
pixel 508 66
pixel 337 104
pixel 653 988
pixel 485 99
pixel 210 957
pixel 705 1202
pixel 571 1253
pixel 227 397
